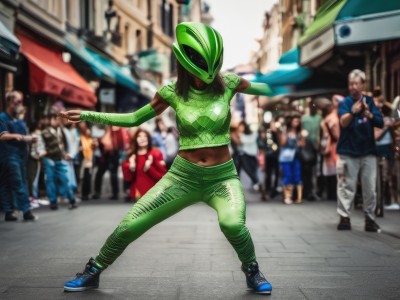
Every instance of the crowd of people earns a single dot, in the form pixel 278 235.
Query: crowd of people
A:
pixel 309 154
pixel 55 159
pixel 298 154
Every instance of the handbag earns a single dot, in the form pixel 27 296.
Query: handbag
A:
pixel 308 153
pixel 287 155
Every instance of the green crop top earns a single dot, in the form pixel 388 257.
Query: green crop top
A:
pixel 203 120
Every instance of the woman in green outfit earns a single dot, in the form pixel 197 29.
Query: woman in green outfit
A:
pixel 203 170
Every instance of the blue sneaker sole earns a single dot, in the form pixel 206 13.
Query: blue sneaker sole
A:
pixel 261 292
pixel 78 289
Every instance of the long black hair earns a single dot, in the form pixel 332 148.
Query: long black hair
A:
pixel 290 126
pixel 185 80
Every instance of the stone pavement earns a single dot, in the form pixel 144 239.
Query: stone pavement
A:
pixel 187 257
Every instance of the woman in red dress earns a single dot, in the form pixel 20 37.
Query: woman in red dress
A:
pixel 144 165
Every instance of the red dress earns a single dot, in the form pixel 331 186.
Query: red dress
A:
pixel 142 181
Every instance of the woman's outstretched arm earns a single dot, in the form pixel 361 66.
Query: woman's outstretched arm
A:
pixel 253 88
pixel 155 107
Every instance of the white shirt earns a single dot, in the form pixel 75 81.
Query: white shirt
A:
pixel 248 143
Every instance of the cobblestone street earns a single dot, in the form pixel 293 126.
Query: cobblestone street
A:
pixel 187 257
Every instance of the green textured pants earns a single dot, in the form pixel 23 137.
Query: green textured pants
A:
pixel 185 184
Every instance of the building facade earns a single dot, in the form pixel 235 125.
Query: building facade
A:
pixel 283 25
pixel 271 42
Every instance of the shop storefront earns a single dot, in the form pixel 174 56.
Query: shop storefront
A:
pixel 50 79
pixel 348 34
pixel 116 88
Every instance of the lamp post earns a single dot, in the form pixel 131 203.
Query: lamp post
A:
pixel 109 14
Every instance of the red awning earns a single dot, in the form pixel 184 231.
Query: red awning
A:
pixel 51 75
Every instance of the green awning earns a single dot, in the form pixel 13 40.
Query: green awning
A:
pixel 122 74
pixel 359 22
pixel 291 56
pixel 324 19
pixel 151 60
pixel 357 8
pixel 104 68
pixel 288 74
pixel 95 64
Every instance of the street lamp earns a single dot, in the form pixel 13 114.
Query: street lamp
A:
pixel 109 14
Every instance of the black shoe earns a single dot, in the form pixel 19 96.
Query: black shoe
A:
pixel 130 200
pixel 10 217
pixel 371 226
pixel 313 197
pixel 344 224
pixel 255 279
pixel 114 197
pixel 72 205
pixel 28 216
pixel 88 279
pixel 85 198
pixel 95 196
pixel 53 206
pixel 273 194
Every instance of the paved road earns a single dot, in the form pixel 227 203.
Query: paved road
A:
pixel 187 257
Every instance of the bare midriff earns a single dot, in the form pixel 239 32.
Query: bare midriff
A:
pixel 207 157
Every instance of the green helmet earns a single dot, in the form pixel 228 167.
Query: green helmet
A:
pixel 199 49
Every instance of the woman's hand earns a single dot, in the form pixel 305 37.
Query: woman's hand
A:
pixel 148 163
pixel 132 163
pixel 73 116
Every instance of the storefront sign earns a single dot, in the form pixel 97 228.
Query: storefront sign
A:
pixel 317 46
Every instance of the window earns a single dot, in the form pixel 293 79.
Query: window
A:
pixel 163 15
pixel 87 18
pixel 138 40
pixel 127 39
pixel 170 31
pixel 167 18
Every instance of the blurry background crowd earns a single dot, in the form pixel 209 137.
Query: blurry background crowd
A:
pixel 112 56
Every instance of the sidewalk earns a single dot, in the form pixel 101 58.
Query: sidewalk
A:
pixel 187 257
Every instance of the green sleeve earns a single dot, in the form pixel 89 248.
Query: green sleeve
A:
pixel 168 93
pixel 123 120
pixel 232 80
pixel 257 88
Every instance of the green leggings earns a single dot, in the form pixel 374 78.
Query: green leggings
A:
pixel 185 184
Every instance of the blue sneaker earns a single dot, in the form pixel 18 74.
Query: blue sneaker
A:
pixel 88 279
pixel 256 280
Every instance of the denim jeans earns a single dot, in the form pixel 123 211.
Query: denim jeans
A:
pixel 291 172
pixel 13 184
pixel 57 180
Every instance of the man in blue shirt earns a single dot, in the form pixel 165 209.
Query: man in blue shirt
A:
pixel 356 148
pixel 13 151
